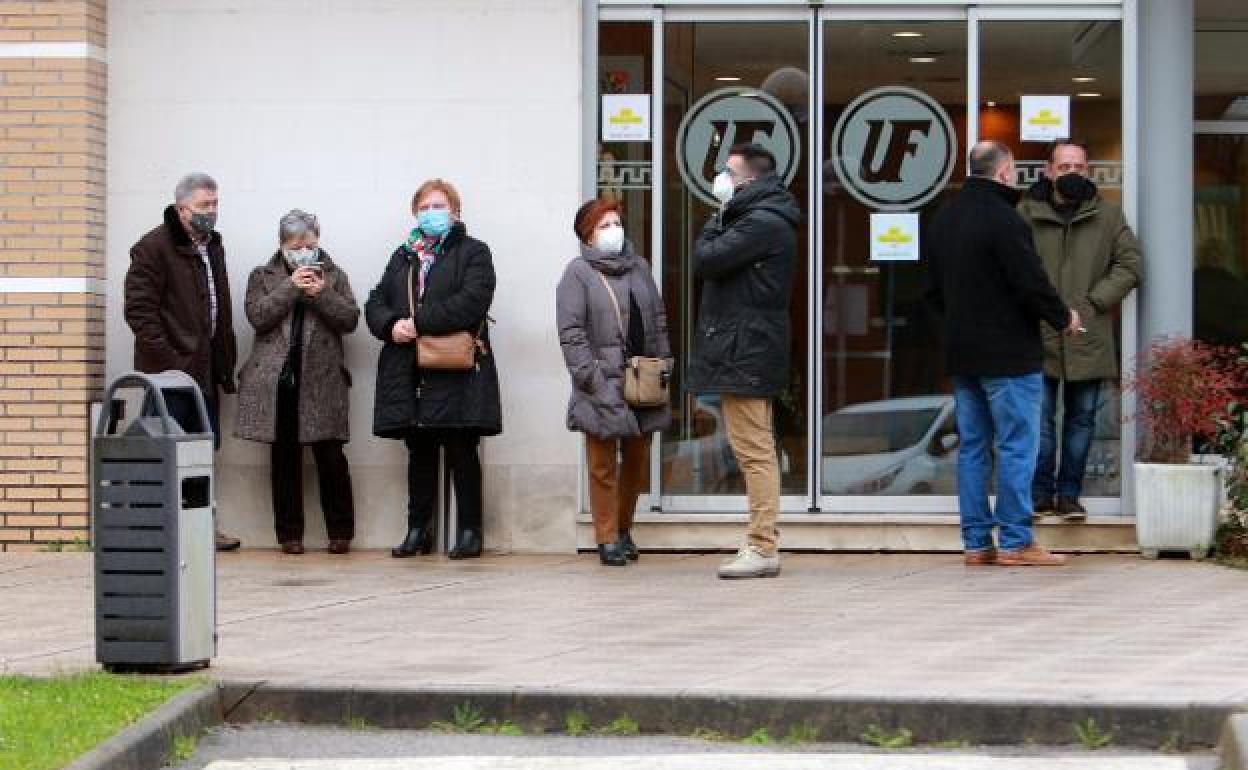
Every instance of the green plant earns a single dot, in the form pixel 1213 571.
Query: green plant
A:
pixel 1173 744
pixel 269 716
pixel 879 737
pixel 759 737
pixel 954 743
pixel 576 723
pixel 709 734
pixel 621 725
pixel 506 727
pixel 465 718
pixel 806 732
pixel 1090 735
pixel 360 723
pixel 184 747
pixel 57 546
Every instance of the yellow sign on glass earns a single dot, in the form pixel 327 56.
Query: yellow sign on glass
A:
pixel 894 237
pixel 1044 118
pixel 626 117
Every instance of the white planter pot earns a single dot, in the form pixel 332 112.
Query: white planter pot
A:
pixel 1176 508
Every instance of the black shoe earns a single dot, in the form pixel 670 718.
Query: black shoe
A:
pixel 611 556
pixel 626 546
pixel 418 540
pixel 468 547
pixel 1070 509
pixel 1041 507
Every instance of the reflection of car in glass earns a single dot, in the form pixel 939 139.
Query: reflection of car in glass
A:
pixel 896 447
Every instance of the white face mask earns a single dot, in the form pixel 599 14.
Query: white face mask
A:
pixel 610 239
pixel 723 189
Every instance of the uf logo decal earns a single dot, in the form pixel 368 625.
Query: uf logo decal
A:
pixel 731 116
pixel 894 148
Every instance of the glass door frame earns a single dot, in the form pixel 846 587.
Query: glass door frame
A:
pixel 815 18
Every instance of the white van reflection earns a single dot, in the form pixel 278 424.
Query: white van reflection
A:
pixel 902 446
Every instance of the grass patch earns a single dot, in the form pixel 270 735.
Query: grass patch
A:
pixel 710 734
pixel 1091 736
pixel 880 738
pixel 576 723
pixel 47 723
pixel 184 747
pixel 621 725
pixel 806 732
pixel 465 718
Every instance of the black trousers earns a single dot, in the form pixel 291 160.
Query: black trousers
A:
pixel 422 476
pixel 286 473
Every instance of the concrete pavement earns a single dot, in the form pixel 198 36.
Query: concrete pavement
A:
pixel 1107 628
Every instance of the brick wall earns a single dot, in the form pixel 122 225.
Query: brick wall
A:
pixel 53 83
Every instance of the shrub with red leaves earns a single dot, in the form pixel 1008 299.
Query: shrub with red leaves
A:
pixel 1184 388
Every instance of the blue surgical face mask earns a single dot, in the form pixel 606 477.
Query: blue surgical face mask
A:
pixel 434 223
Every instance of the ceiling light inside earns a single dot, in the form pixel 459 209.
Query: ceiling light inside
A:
pixel 1088 94
pixel 728 79
pixel 1083 79
pixel 907 33
pixel 922 59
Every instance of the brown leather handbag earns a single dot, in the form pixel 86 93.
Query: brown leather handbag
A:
pixel 456 351
pixel 645 378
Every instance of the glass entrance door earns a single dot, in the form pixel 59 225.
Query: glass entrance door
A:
pixel 727 83
pixel 893 114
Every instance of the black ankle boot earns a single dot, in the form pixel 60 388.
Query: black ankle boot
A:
pixel 628 547
pixel 418 540
pixel 468 547
pixel 611 555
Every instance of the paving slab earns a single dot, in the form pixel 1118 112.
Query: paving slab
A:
pixel 1105 629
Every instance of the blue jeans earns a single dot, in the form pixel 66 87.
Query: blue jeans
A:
pixel 1001 413
pixel 1080 401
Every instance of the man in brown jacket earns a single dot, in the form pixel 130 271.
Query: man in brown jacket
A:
pixel 178 304
pixel 1093 259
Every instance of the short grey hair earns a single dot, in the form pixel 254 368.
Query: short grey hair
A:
pixel 187 185
pixel 296 224
pixel 986 157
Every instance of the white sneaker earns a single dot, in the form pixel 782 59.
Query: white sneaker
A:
pixel 750 563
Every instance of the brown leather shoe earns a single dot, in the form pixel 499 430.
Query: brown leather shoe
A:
pixel 226 543
pixel 339 546
pixel 292 547
pixel 984 558
pixel 1031 556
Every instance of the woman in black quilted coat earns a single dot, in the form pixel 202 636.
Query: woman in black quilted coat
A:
pixel 451 277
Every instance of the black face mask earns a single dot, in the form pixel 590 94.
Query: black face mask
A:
pixel 203 223
pixel 1074 187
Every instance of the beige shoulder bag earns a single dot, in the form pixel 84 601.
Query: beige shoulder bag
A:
pixel 456 351
pixel 645 379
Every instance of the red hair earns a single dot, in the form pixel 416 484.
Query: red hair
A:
pixel 590 214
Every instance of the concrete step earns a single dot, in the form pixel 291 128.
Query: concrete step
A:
pixel 871 532
pixel 914 761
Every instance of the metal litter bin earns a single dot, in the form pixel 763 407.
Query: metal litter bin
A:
pixel 152 503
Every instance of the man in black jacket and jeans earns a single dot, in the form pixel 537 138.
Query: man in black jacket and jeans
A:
pixel 746 258
pixel 988 283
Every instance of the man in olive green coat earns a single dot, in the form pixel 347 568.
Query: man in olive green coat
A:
pixel 1093 259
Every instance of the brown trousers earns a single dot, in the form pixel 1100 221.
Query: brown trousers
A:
pixel 616 483
pixel 753 441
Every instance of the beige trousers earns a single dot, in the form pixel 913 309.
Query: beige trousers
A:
pixel 750 432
